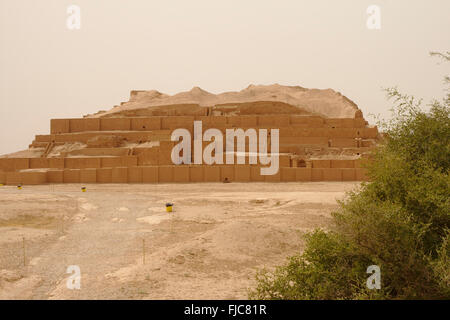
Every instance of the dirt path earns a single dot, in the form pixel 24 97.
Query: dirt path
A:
pixel 218 236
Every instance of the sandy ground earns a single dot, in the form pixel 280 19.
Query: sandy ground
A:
pixel 210 247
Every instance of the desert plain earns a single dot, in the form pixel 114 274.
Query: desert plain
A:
pixel 128 247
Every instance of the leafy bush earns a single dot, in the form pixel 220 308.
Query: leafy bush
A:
pixel 400 220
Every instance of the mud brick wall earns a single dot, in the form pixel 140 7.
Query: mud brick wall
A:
pixel 154 165
pixel 181 174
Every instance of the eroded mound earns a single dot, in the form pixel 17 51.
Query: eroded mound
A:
pixel 297 100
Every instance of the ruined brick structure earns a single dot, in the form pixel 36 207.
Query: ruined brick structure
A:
pixel 134 146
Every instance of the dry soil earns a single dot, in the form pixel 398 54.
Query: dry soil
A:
pixel 209 247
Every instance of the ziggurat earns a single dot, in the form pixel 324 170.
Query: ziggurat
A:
pixel 132 142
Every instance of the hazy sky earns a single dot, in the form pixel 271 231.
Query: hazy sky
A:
pixel 49 71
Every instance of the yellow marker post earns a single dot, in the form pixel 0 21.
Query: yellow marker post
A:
pixel 83 189
pixel 19 187
pixel 169 207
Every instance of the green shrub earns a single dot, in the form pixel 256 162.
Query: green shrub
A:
pixel 400 221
